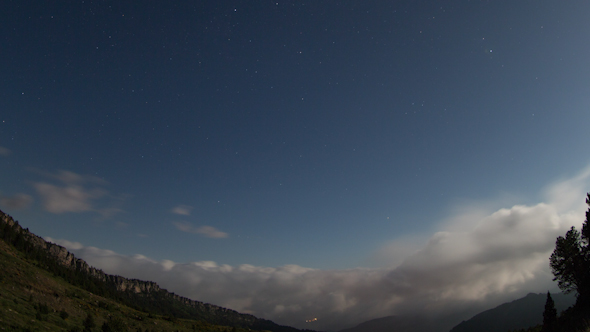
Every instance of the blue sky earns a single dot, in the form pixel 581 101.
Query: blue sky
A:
pixel 273 133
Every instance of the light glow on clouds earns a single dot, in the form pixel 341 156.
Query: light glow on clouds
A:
pixel 495 258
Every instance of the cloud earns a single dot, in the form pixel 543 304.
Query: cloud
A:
pixel 4 151
pixel 65 243
pixel 569 194
pixel 396 251
pixel 70 178
pixel 75 193
pixel 483 260
pixel 184 210
pixel 187 227
pixel 207 231
pixel 71 198
pixel 18 201
pixel 504 253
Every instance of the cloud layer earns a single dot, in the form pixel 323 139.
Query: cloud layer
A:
pixel 494 258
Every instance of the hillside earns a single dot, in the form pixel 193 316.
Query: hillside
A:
pixel 33 299
pixel 406 323
pixel 518 314
pixel 42 284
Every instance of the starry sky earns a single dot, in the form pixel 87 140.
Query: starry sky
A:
pixel 339 138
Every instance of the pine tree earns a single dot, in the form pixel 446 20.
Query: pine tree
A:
pixel 549 315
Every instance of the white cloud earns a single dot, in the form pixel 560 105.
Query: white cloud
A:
pixel 71 178
pixel 71 198
pixel 184 210
pixel 18 201
pixel 569 194
pixel 65 243
pixel 75 193
pixel 396 251
pixel 207 231
pixel 4 151
pixel 491 258
pixel 504 253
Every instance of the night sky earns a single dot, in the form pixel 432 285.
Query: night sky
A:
pixel 284 142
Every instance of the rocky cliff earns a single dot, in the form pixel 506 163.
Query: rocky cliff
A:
pixel 135 287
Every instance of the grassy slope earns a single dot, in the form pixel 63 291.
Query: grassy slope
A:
pixel 26 288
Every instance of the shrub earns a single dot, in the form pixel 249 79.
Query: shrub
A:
pixel 115 324
pixel 43 308
pixel 63 314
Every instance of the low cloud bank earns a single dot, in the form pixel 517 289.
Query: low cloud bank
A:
pixel 495 258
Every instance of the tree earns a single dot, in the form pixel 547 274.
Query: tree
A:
pixel 89 323
pixel 115 324
pixel 566 261
pixel 570 261
pixel 549 315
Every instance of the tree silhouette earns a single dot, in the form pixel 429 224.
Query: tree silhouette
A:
pixel 549 315
pixel 570 261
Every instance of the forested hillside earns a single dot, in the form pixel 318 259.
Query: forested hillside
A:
pixel 45 285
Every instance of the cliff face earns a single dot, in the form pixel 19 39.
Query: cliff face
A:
pixel 61 255
pixel 64 258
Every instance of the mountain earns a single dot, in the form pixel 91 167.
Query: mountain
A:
pixel 518 314
pixel 42 269
pixel 393 323
pixel 521 313
pixel 414 323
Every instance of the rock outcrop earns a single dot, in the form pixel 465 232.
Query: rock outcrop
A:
pixel 60 254
pixel 148 289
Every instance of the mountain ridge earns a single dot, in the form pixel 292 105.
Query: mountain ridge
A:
pixel 146 295
pixel 517 314
pixel 521 313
